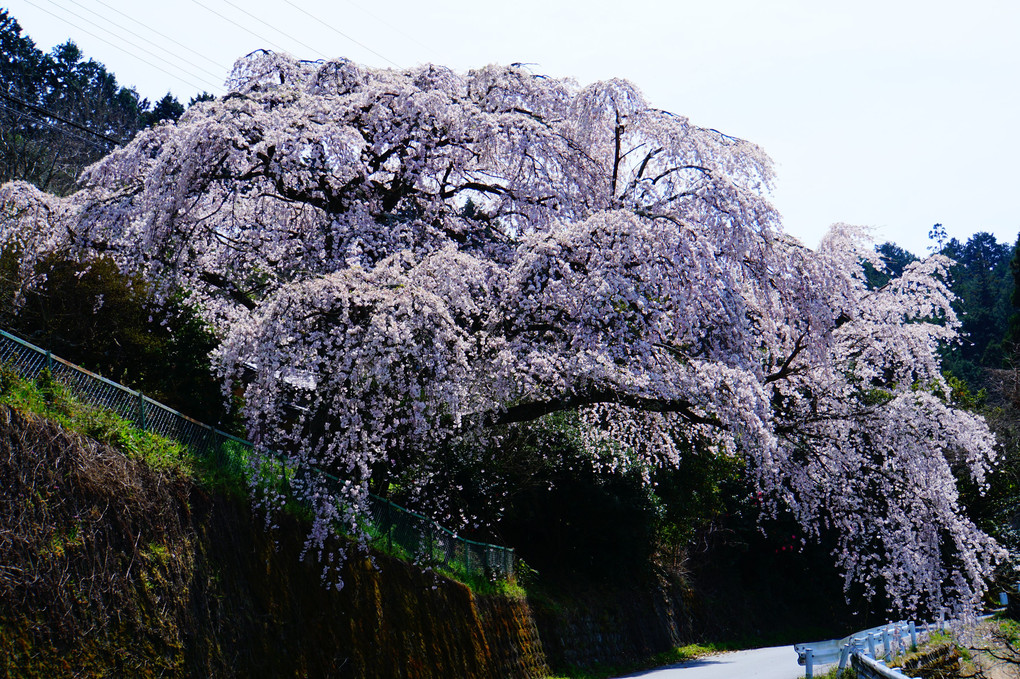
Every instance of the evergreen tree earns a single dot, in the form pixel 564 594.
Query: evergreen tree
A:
pixel 167 108
pixel 204 96
pixel 60 112
pixel 895 260
pixel 981 284
pixel 1011 344
pixel 20 71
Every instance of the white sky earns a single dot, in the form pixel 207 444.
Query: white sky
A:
pixel 887 113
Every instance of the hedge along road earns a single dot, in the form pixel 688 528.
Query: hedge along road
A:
pixel 777 662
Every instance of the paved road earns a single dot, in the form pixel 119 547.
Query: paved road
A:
pixel 777 662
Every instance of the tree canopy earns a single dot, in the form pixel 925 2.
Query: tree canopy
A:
pixel 60 112
pixel 397 262
pixel 981 281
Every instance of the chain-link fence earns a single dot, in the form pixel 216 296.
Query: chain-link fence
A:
pixel 391 527
pixel 403 531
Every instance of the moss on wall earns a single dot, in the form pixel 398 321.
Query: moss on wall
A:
pixel 111 569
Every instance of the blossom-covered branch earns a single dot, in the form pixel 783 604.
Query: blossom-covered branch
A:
pixel 413 258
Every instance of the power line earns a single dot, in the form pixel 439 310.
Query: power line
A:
pixel 393 27
pixel 121 38
pixel 50 114
pixel 305 45
pixel 124 28
pixel 39 121
pixel 340 33
pixel 243 28
pixel 135 56
pixel 165 36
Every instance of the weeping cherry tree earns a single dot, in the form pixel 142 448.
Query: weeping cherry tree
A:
pixel 419 258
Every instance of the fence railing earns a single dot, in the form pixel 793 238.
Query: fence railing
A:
pixel 884 642
pixel 412 535
pixel 869 650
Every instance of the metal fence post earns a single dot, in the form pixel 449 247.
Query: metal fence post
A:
pixel 809 663
pixel 389 525
pixel 913 635
pixel 141 411
pixel 844 655
pixel 871 645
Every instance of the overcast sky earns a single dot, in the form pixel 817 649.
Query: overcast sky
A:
pixel 891 114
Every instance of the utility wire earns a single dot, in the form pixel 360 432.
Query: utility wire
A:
pixel 340 33
pixel 124 28
pixel 39 121
pixel 128 42
pixel 135 56
pixel 391 26
pixel 50 114
pixel 305 45
pixel 242 27
pixel 220 66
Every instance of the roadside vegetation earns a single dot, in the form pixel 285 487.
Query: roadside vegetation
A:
pixel 51 399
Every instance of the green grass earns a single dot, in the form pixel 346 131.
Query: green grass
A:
pixel 454 570
pixel 50 399
pixel 225 469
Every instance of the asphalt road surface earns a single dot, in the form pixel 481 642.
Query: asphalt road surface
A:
pixel 777 662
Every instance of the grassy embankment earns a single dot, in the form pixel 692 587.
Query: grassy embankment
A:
pixel 50 399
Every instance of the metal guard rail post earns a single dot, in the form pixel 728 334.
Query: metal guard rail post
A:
pixel 891 638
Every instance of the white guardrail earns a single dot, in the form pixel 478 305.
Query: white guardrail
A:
pixel 868 650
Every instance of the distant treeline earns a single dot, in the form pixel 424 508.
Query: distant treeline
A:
pixel 60 112
pixel 983 280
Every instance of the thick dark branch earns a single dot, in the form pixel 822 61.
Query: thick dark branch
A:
pixel 681 168
pixel 531 410
pixel 786 369
pixel 616 158
pixel 228 286
pixel 474 186
pixel 530 114
pixel 446 178
pixel 797 427
pixel 644 164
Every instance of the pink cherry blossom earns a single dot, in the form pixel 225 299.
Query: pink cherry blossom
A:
pixel 410 258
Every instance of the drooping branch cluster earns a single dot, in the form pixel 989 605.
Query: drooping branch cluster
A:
pixel 406 259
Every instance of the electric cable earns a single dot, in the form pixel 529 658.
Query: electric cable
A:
pixel 53 127
pixel 123 39
pixel 242 27
pixel 135 56
pixel 124 28
pixel 395 28
pixel 340 33
pixel 305 45
pixel 165 36
pixel 50 114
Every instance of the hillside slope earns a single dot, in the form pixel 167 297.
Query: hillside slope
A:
pixel 111 569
